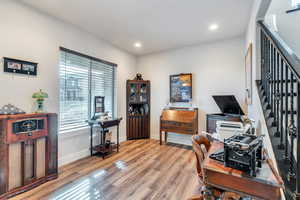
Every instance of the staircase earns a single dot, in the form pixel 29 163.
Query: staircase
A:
pixel 279 90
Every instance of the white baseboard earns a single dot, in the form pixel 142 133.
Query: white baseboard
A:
pixel 176 138
pixel 64 160
pixel 73 157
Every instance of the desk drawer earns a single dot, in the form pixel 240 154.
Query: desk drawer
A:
pixel 176 124
pixel 177 127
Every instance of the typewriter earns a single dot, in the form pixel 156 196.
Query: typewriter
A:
pixel 242 152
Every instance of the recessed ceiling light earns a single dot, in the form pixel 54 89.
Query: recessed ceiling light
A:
pixel 213 27
pixel 137 45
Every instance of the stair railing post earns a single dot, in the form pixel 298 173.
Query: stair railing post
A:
pixel 281 145
pixel 297 192
pixel 286 155
pixel 268 74
pixel 262 47
pixel 292 134
pixel 277 96
pixel 272 83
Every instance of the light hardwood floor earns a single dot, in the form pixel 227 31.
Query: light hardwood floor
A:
pixel 141 170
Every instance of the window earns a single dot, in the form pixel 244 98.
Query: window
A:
pixel 81 79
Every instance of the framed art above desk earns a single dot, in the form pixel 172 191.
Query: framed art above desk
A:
pixel 181 88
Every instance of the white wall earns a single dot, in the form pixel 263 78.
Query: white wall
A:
pixel 29 35
pixel 252 36
pixel 285 24
pixel 217 68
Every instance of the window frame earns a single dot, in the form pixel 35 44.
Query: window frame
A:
pixel 90 98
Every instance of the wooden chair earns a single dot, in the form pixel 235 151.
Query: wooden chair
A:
pixel 201 146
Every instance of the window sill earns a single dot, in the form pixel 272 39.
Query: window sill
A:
pixel 293 10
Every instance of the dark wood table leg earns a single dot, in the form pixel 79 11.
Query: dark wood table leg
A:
pixel 166 137
pixel 91 140
pixel 160 137
pixel 103 141
pixel 118 138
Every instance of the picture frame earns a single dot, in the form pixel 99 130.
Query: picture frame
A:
pixel 99 106
pixel 248 74
pixel 20 66
pixel 181 88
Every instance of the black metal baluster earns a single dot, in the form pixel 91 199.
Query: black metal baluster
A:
pixel 297 192
pixel 281 145
pixel 263 62
pixel 268 74
pixel 265 69
pixel 286 156
pixel 292 132
pixel 262 57
pixel 273 85
pixel 264 66
pixel 271 80
pixel 277 97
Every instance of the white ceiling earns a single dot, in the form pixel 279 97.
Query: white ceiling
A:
pixel 158 24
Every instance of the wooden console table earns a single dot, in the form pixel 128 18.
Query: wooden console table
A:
pixel 178 121
pixel 104 125
pixel 266 185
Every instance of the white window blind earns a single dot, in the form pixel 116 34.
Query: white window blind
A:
pixel 81 79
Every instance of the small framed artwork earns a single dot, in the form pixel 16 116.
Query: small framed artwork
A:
pixel 181 88
pixel 99 105
pixel 248 78
pixel 20 66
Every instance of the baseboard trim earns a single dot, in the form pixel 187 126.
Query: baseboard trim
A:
pixel 69 158
pixel 176 138
pixel 73 157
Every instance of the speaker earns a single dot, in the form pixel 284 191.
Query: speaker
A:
pixel 28 146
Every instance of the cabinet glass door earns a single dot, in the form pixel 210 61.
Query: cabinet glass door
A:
pixel 133 93
pixel 143 93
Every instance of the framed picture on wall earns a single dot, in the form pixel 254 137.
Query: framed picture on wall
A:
pixel 248 78
pixel 99 105
pixel 181 88
pixel 20 66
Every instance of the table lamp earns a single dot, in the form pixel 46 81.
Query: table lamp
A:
pixel 40 97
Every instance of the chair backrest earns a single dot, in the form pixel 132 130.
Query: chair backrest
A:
pixel 201 146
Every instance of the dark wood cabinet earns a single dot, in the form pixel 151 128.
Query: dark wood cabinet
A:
pixel 211 120
pixel 28 152
pixel 138 109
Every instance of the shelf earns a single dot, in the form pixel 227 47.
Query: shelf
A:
pixel 138 102
pixel 138 115
pixel 103 149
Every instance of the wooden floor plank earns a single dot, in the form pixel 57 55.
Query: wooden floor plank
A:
pixel 142 170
